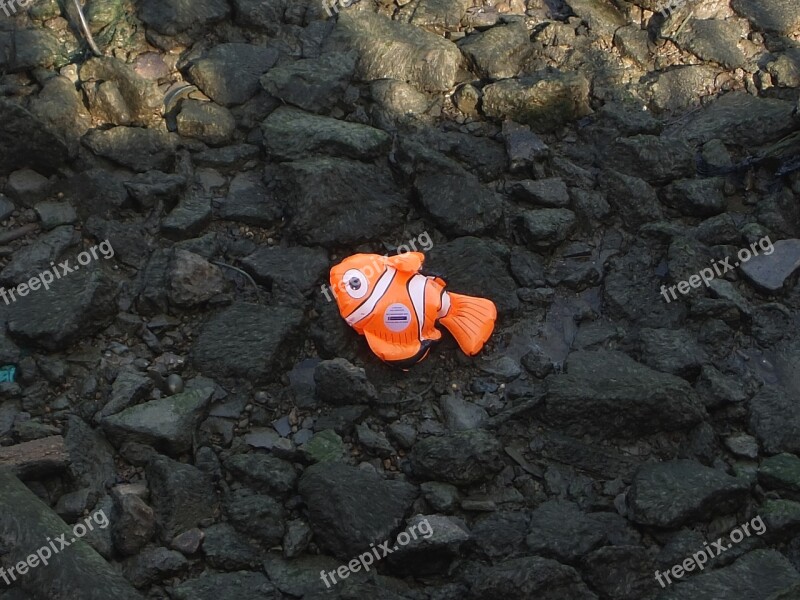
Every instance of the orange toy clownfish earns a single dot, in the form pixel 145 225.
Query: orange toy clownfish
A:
pixel 387 300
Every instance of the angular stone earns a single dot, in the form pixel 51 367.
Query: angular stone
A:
pixel 322 135
pixel 530 577
pixel 26 142
pixel 462 458
pixel 289 269
pixel 168 423
pixel 607 393
pixel 349 508
pixel 134 147
pixel 775 420
pixel 229 73
pixel 206 121
pixel 245 340
pixel 770 271
pixel 679 492
pixel 170 17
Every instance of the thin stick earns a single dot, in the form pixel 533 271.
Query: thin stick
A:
pixel 85 28
pixel 238 270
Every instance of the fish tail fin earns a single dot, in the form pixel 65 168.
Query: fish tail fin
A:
pixel 469 319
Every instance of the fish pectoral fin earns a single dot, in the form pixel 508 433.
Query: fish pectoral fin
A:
pixel 389 350
pixel 408 262
pixel 470 320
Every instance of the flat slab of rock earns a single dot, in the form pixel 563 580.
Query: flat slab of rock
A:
pixel 35 458
pixel 770 272
pixel 350 508
pixel 462 458
pixel 245 340
pixel 25 529
pixel 133 147
pixel 295 268
pixel 336 201
pixel 678 492
pixel 321 135
pixel 607 393
pixel 758 575
pixel 166 424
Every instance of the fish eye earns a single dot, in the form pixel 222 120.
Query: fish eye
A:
pixel 355 283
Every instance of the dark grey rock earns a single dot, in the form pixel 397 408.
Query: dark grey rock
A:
pixel 461 415
pixel 775 420
pixel 530 577
pixel 632 197
pixel 240 585
pixel 29 261
pixel 317 85
pixel 780 472
pixel 462 458
pixel 133 147
pixel 545 227
pixel 168 423
pixel 323 135
pixel 349 508
pixel 206 121
pixel 475 267
pixel 442 497
pixel 27 187
pixel 562 531
pixel 192 279
pixel 181 495
pixel 27 143
pixel 374 442
pixel 340 383
pixel 288 270
pixel 736 118
pixel 245 340
pixel 713 40
pixel 299 577
pixel 91 457
pixel 229 73
pixel 677 492
pixel 76 306
pixel 263 473
pixel 128 388
pixel 298 536
pixel 147 188
pixel 621 572
pixel 696 197
pixel 773 16
pixel 249 201
pixel 458 202
pixel 54 214
pixel 609 394
pixel 134 526
pixel 522 145
pixel 256 516
pixel 501 534
pixel 548 193
pixel 758 575
pixel 673 351
pixel 226 549
pixel 328 218
pixel 173 16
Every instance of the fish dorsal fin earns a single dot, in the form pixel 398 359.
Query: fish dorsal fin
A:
pixel 408 262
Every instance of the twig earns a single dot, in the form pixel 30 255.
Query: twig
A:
pixel 86 31
pixel 238 270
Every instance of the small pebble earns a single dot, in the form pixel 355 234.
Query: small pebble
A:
pixel 175 383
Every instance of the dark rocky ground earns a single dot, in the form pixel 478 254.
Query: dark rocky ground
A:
pixel 566 158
